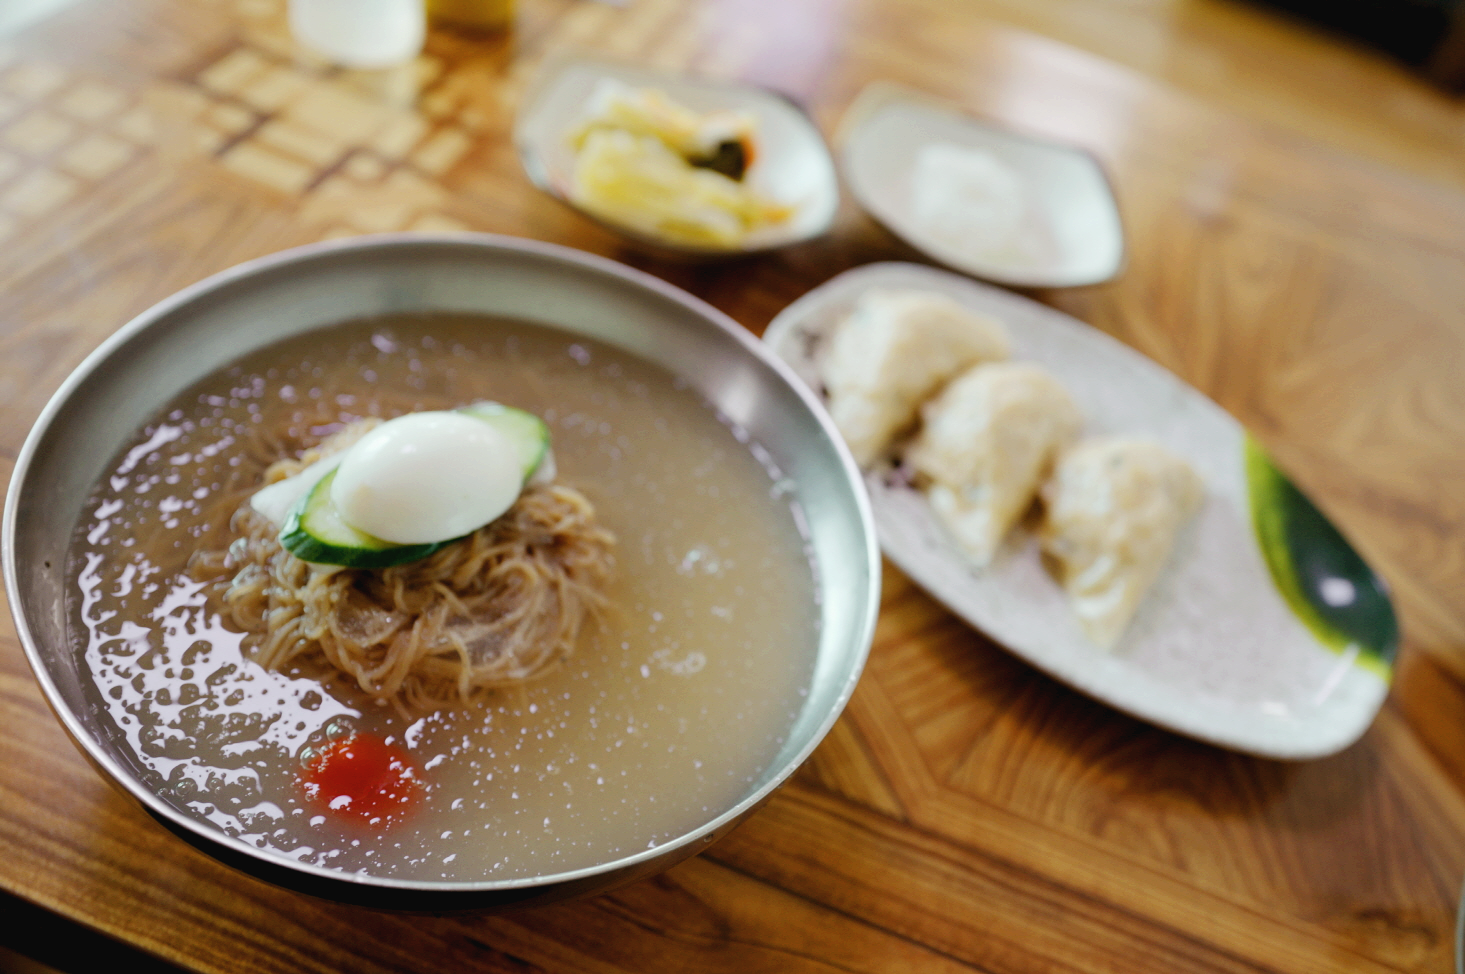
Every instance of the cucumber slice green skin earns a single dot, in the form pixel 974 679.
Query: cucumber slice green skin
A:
pixel 278 499
pixel 315 532
pixel 525 430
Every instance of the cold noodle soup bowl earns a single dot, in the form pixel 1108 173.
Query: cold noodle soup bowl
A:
pixel 84 472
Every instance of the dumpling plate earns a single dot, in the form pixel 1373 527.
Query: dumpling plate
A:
pixel 1266 633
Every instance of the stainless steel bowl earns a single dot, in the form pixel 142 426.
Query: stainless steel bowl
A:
pixel 191 334
pixel 1460 937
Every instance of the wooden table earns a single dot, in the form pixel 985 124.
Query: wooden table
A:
pixel 967 813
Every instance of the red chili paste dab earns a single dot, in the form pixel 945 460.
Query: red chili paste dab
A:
pixel 363 778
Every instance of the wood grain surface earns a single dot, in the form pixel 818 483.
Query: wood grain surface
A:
pixel 967 813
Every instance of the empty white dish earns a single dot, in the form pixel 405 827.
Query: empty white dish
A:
pixel 792 164
pixel 981 199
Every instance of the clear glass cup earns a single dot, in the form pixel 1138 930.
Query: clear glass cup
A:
pixel 360 33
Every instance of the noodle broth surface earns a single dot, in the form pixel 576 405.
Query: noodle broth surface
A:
pixel 661 719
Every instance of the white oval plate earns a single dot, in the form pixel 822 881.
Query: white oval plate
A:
pixel 1214 652
pixel 1073 234
pixel 793 164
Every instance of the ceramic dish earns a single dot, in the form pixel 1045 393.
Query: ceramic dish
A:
pixel 1046 218
pixel 1292 668
pixel 792 166
pixel 195 332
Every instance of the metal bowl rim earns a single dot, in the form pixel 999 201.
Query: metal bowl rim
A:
pixel 489 243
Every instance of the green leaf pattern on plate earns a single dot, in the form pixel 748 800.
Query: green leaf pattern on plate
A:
pixel 1330 588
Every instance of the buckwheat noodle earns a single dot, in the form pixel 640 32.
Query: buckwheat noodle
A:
pixel 504 605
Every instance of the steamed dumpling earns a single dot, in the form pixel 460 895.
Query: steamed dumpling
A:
pixel 986 443
pixel 1114 507
pixel 895 350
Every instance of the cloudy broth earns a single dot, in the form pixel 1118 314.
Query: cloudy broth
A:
pixel 662 718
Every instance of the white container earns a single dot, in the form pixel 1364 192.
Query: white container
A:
pixel 360 33
pixel 1059 228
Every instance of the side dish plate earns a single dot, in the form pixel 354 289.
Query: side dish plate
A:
pixel 792 166
pixel 1069 233
pixel 1266 633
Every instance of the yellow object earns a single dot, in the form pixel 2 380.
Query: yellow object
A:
pixel 639 182
pixel 648 111
pixel 480 14
pixel 639 163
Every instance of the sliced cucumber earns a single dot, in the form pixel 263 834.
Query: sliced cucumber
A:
pixel 278 499
pixel 526 431
pixel 315 532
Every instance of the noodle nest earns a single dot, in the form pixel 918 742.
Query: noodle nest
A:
pixel 503 605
